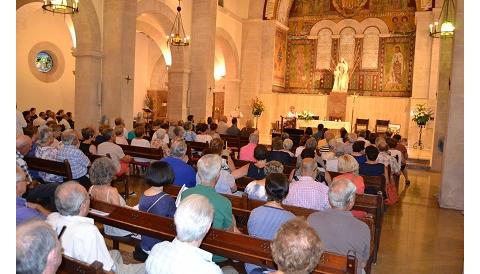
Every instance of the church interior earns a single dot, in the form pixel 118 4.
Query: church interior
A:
pixel 355 65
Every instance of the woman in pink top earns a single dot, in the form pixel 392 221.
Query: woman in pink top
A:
pixel 349 167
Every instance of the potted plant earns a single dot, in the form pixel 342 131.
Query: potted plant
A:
pixel 422 114
pixel 257 107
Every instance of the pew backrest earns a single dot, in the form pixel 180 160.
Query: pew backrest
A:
pixel 143 152
pixel 73 266
pixel 49 166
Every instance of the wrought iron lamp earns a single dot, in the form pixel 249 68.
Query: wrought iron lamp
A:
pixel 446 26
pixel 61 6
pixel 177 35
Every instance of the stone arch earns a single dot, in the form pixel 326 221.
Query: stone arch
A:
pixel 230 52
pixel 164 14
pixel 324 24
pixel 374 22
pixel 348 23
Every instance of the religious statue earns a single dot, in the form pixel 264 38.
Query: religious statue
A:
pixel 341 77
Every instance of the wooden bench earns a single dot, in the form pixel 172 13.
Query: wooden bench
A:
pixel 142 152
pixel 239 247
pixel 73 266
pixel 193 150
pixel 286 168
pixel 49 166
pixel 376 182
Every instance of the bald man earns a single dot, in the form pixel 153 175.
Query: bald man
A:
pixel 306 192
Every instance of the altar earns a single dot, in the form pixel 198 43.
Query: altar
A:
pixel 302 124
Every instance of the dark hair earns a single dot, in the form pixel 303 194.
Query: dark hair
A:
pixel 358 146
pixel 372 137
pixel 320 127
pixel 307 153
pixel 32 109
pixel 367 133
pixel 308 131
pixel 209 120
pixel 260 152
pixel 277 143
pixel 371 152
pixel 190 117
pixel 159 174
pixel 397 137
pixel 202 127
pixel 343 133
pixel 30 131
pixel 139 131
pixel 87 133
pixel 276 187
pixel 234 121
pixel 165 126
pixel 388 133
pixel 217 143
pixel 392 143
pixel 213 126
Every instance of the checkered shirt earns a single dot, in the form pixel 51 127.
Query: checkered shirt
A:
pixel 78 161
pixel 48 153
pixel 386 159
pixel 23 165
pixel 308 193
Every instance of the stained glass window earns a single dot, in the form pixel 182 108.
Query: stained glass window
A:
pixel 44 62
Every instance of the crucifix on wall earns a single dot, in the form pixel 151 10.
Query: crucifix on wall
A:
pixel 128 78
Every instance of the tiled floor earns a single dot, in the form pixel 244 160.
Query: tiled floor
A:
pixel 417 235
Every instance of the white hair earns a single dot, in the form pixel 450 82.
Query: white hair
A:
pixel 341 193
pixel 69 137
pixel 253 138
pixel 69 197
pixel 209 168
pixel 193 218
pixel 287 144
pixel 178 149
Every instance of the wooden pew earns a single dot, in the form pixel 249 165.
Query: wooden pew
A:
pixel 195 147
pixel 73 266
pixel 377 182
pixel 286 168
pixel 48 166
pixel 239 247
pixel 143 152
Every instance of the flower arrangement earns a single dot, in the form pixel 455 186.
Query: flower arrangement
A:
pixel 422 114
pixel 305 115
pixel 257 107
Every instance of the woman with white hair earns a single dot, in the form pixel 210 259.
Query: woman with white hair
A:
pixel 159 142
pixel 287 146
pixel 45 150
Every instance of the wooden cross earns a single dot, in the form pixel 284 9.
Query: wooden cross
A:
pixel 128 78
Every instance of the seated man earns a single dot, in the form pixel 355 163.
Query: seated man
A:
pixel 222 125
pixel 193 219
pixel 79 162
pixel 120 160
pixel 351 138
pixel 26 211
pixel 359 152
pixel 385 158
pixel 341 232
pixel 323 143
pixel 277 153
pixel 306 192
pixel 81 239
pixel 233 130
pixel 38 249
pixel 184 173
pixel 209 171
pixel 246 152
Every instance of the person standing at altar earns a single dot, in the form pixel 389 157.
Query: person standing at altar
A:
pixel 292 113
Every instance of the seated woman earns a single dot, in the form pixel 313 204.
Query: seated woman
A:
pixel 371 167
pixel 256 189
pixel 138 141
pixel 264 221
pixel 202 135
pixel 287 146
pixel 254 170
pixel 158 141
pixel 46 150
pixel 101 175
pixel 359 152
pixel 348 166
pixel 86 146
pixel 277 153
pixel 119 137
pixel 154 200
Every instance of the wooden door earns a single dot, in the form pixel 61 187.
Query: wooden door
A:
pixel 218 105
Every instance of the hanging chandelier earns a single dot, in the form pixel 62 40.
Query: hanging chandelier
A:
pixel 61 6
pixel 447 21
pixel 177 35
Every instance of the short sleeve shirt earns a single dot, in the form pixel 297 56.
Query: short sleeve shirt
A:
pixel 184 173
pixel 308 193
pixel 115 151
pixel 25 213
pixel 140 143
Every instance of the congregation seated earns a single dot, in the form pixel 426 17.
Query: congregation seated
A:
pixel 296 249
pixel 234 130
pixel 339 230
pixel 81 239
pixel 297 172
pixel 393 151
pixel 86 146
pixel 256 189
pixel 362 136
pixel 348 145
pixel 401 147
pixel 226 182
pixel 371 167
pixel 247 129
pixel 227 162
pixel 358 152
pixel 202 135
pixel 246 152
pixel 319 134
pixel 120 160
pixel 385 158
pixel 287 146
pixel 32 132
pixel 189 134
pixel 277 153
pixel 40 120
pixel 61 119
pixel 158 141
pixel 46 151
pixel 119 137
pixel 193 220
pixel 222 125
pixel 343 135
pixel 25 210
pixel 184 173
pixel 306 192
pixel 301 147
pixel 254 170
pixel 209 170
pixel 154 200
pixel 178 133
pixel 323 144
pixel 38 248
pixel 337 149
pixel 138 141
pixel 100 138
pixel 265 220
pixel 57 133
pixel 101 175
pixel 348 166
pixel 213 130
pixel 119 122
pixel 23 145
pixel 79 162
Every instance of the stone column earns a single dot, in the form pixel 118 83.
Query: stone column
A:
pixel 452 184
pixel 87 87
pixel 178 77
pixel 232 92
pixel 119 23
pixel 204 15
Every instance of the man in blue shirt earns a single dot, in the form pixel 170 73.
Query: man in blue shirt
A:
pixel 184 173
pixel 26 211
